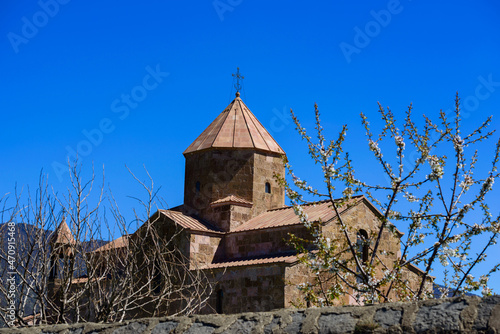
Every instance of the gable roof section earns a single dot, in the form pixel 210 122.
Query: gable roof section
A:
pixel 235 127
pixel 188 222
pixel 286 216
pixel 176 215
pixel 62 234
pixel 115 244
pixel 231 199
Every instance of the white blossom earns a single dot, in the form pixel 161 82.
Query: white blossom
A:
pixel 393 214
pixel 409 197
pixel 329 171
pixel 467 182
pixel 374 147
pixel 486 291
pixel 458 143
pixel 489 183
pixel 400 144
pixel 437 169
pixel 347 192
pixel 304 219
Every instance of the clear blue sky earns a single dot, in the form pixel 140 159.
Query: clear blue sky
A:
pixel 67 68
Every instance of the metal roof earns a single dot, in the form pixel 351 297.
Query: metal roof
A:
pixel 235 127
pixel 232 199
pixel 189 222
pixel 286 216
pixel 117 243
pixel 62 234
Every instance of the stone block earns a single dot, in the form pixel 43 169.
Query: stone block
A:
pixel 336 323
pixel 131 328
pixel 387 317
pixel 444 315
pixel 200 328
pixel 296 325
pixel 165 327
pixel 241 326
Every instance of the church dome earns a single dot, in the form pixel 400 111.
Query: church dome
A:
pixel 235 128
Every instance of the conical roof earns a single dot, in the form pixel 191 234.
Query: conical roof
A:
pixel 62 234
pixel 235 127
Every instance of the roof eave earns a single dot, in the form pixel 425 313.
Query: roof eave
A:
pixel 213 148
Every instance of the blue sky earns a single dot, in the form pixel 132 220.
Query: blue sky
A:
pixel 67 68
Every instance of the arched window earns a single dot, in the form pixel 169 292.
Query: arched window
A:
pixel 268 188
pixel 363 245
pixel 218 305
pixel 198 186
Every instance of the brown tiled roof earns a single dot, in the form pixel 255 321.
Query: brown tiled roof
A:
pixel 286 216
pixel 232 199
pixel 418 271
pixel 62 234
pixel 86 279
pixel 189 222
pixel 118 243
pixel 235 127
pixel 79 280
pixel 289 259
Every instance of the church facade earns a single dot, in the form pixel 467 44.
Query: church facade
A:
pixel 235 225
pixel 238 226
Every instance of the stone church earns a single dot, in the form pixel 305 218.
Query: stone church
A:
pixel 235 221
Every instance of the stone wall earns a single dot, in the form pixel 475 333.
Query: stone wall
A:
pixel 262 242
pixel 454 315
pixel 230 216
pixel 265 165
pixel 222 173
pixel 203 248
pixel 244 289
pixel 364 217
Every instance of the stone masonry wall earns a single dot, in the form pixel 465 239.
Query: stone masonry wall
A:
pixel 221 173
pixel 259 287
pixel 364 217
pixel 203 248
pixel 454 315
pixel 262 242
pixel 264 168
pixel 230 216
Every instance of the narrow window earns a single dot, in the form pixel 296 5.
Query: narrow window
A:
pixel 198 186
pixel 268 188
pixel 157 281
pixel 363 246
pixel 218 306
pixel 53 268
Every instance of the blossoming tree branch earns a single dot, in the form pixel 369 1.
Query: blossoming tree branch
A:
pixel 436 196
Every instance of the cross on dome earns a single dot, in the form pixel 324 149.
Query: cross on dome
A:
pixel 238 77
